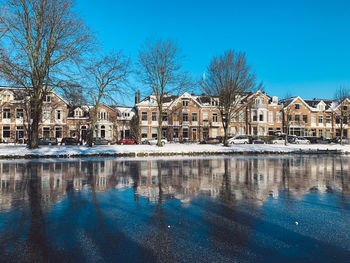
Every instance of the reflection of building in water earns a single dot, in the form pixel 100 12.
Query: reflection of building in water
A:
pixel 238 178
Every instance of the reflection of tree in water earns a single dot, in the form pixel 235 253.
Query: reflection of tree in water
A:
pixel 229 227
pixel 158 238
pixel 37 242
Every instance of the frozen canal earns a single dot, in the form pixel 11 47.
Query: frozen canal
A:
pixel 215 209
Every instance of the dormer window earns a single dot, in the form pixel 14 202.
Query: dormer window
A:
pixel 78 113
pixel 103 115
pixel 6 98
pixel 321 107
pixel 47 98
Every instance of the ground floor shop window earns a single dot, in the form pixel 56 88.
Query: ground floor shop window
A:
pixel 185 133
pixel 144 132
pixel 58 132
pixel 6 132
pixel 19 132
pixel 46 132
pixel 176 133
pixel 154 132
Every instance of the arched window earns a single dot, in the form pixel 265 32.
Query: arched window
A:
pixel 103 131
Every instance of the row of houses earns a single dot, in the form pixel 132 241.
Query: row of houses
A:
pixel 59 118
pixel 185 117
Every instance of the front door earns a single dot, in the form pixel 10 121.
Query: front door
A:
pixel 194 134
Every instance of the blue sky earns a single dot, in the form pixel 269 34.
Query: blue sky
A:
pixel 296 47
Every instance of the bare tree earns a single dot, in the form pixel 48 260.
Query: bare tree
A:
pixel 159 64
pixel 135 131
pixel 105 74
pixel 229 78
pixel 43 40
pixel 341 112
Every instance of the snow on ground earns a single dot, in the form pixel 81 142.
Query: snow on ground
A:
pixel 15 150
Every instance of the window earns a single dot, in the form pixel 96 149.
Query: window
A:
pixel 261 117
pixel 6 98
pixel 255 117
pixel 185 132
pixel 278 117
pixel 154 116
pixel 46 114
pixel 47 98
pixel 270 116
pixel 58 132
pixel 46 132
pixel 185 103
pixel 164 116
pixel 144 116
pixel 297 106
pixel 215 117
pixel 6 132
pixel 214 132
pixel 313 118
pixel 78 113
pixel 6 113
pixel 19 114
pixel 328 119
pixel 320 119
pixel 271 131
pixel 241 116
pixel 103 131
pixel 184 116
pixel 175 116
pixel 345 108
pixel 205 116
pixel 289 117
pixel 144 132
pixel 58 115
pixel 103 115
pixel 320 133
pixel 305 118
pixel 257 101
pixel 176 132
pixel 297 117
pixel 154 132
pixel 194 116
pixel 19 132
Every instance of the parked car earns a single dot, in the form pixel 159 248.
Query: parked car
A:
pixel 279 140
pixel 154 141
pixel 47 141
pixel 210 141
pixel 300 140
pixel 69 141
pixel 127 141
pixel 239 139
pixel 100 141
pixel 323 141
pixel 345 140
pixel 258 141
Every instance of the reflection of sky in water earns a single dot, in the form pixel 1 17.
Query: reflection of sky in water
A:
pixel 197 210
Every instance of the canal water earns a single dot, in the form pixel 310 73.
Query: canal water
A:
pixel 210 209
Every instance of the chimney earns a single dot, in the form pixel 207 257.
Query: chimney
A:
pixel 138 96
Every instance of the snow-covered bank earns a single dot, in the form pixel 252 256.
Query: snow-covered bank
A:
pixel 7 151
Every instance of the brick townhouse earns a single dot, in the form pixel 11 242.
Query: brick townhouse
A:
pixel 190 117
pixel 59 119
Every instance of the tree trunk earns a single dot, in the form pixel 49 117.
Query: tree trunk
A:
pixel 226 135
pixel 90 134
pixel 34 130
pixel 159 142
